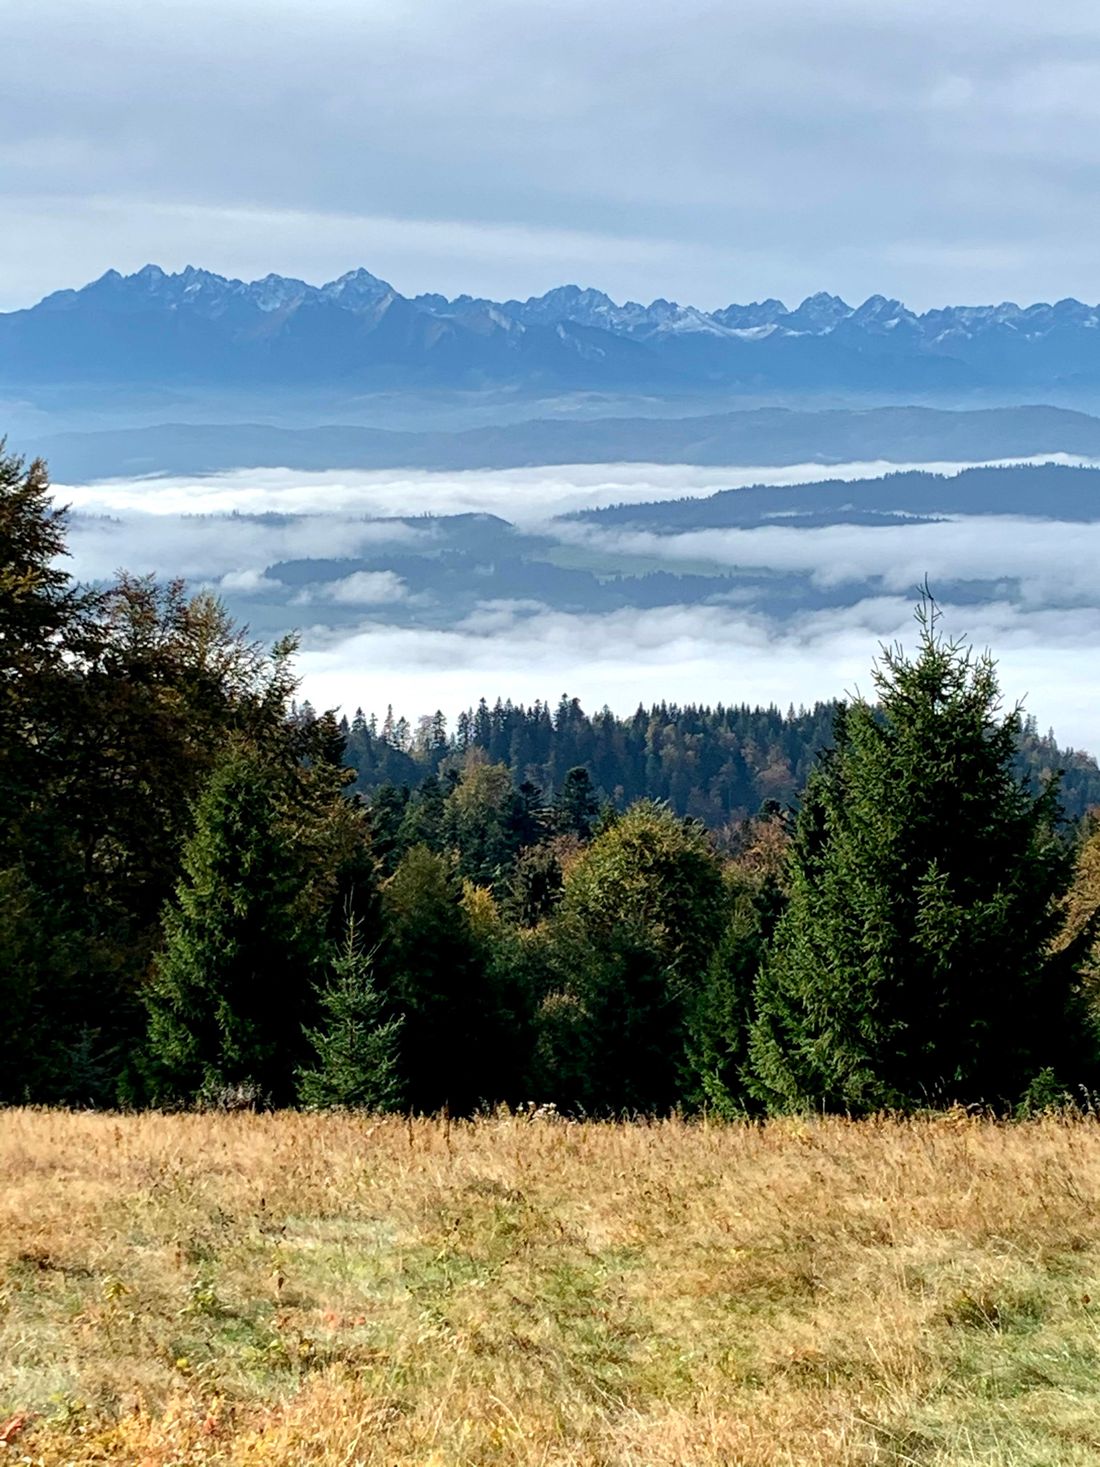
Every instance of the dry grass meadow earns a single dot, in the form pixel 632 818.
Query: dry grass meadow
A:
pixel 270 1289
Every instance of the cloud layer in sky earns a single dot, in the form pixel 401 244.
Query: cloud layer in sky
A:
pixel 940 152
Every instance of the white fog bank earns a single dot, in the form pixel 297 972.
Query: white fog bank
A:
pixel 523 496
pixel 1042 619
pixel 694 654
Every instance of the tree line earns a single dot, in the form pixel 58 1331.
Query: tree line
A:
pixel 716 764
pixel 211 895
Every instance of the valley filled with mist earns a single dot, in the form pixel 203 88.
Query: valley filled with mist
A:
pixel 624 583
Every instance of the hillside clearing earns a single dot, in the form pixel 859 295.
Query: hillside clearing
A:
pixel 289 1288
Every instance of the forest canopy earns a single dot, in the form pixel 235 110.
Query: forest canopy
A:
pixel 210 894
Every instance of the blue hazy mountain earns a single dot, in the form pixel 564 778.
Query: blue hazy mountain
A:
pixel 758 436
pixel 358 333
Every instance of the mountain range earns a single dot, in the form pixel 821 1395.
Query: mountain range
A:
pixel 358 332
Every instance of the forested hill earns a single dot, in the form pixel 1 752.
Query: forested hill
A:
pixel 717 764
pixel 192 913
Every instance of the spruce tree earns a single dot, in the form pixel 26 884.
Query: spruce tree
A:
pixel 577 806
pixel 479 823
pixel 43 620
pixel 722 1008
pixel 232 988
pixel 528 818
pixel 536 886
pixel 422 823
pixel 722 1011
pixel 914 963
pixel 38 601
pixel 433 974
pixel 355 1045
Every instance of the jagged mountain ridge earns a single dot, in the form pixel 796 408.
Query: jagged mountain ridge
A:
pixel 199 326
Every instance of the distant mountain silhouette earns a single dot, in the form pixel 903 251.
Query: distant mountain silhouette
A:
pixel 761 436
pixel 357 332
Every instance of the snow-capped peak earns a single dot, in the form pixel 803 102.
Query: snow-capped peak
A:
pixel 356 288
pixel 274 292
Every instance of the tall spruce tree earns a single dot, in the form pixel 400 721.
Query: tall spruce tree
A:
pixel 480 823
pixel 355 1043
pixel 914 963
pixel 722 1009
pixel 233 986
pixel 40 610
pixel 433 974
pixel 721 1015
pixel 577 806
pixel 43 618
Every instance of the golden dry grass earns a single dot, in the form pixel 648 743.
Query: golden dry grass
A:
pixel 309 1289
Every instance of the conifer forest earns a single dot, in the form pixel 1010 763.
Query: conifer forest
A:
pixel 212 894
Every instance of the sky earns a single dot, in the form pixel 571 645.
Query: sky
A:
pixel 706 151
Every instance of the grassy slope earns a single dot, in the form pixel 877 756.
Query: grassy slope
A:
pixel 295 1289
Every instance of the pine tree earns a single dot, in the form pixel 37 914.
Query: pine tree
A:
pixel 355 1045
pixel 914 962
pixel 232 987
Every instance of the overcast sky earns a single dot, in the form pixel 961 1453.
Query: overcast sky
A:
pixel 708 151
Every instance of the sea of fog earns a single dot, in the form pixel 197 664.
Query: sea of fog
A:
pixel 523 496
pixel 227 530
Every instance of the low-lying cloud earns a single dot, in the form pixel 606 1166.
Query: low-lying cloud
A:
pixel 524 497
pixel 694 653
pixel 212 547
pixel 249 583
pixel 233 531
pixel 361 588
pixel 1052 561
